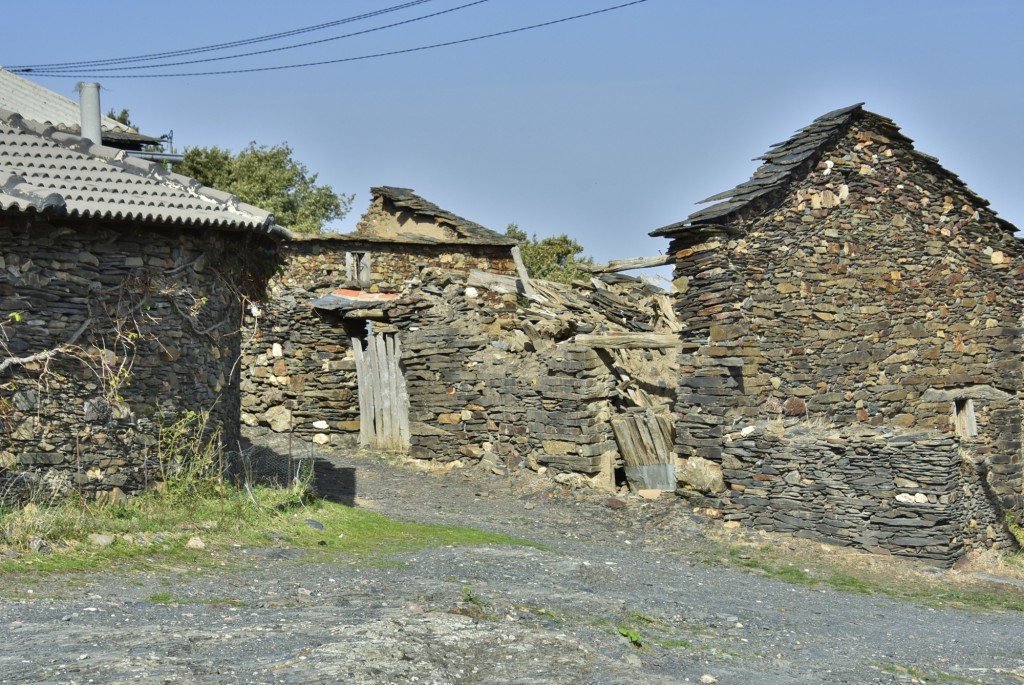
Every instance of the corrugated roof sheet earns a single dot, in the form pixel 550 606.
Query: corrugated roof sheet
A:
pixel 467 231
pixel 41 104
pixel 47 171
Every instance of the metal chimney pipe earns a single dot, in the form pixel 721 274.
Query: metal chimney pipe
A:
pixel 89 102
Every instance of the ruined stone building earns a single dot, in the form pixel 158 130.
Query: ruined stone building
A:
pixel 300 374
pixel 851 351
pixel 121 295
pixel 442 354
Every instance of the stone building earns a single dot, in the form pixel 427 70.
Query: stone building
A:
pixel 122 288
pixel 300 374
pixel 852 346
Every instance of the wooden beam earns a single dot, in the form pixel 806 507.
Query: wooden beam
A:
pixel 524 277
pixel 629 341
pixel 627 264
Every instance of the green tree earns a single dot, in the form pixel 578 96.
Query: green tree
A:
pixel 557 258
pixel 122 117
pixel 269 178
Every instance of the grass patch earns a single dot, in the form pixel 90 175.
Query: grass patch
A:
pixel 817 565
pixel 920 676
pixel 677 644
pixel 155 529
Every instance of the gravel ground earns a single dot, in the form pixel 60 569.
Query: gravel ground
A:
pixel 493 614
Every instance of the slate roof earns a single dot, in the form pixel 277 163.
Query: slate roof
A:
pixel 467 232
pixel 41 104
pixel 790 161
pixel 46 171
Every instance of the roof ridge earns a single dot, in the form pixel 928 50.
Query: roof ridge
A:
pixel 782 163
pixel 466 230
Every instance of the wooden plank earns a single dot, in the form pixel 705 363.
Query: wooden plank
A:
pixel 402 399
pixel 668 429
pixel 505 285
pixel 648 452
pixel 365 412
pixel 631 445
pixel 660 447
pixel 524 277
pixel 395 435
pixel 383 412
pixel 373 391
pixel 628 264
pixel 631 341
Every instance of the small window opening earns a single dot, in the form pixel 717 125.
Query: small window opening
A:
pixel 964 422
pixel 357 269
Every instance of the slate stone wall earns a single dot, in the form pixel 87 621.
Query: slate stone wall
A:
pixel 907 494
pixel 299 370
pixel 475 393
pixel 877 294
pixel 318 263
pixel 161 340
pixel 477 388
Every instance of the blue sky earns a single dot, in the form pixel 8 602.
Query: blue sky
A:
pixel 604 128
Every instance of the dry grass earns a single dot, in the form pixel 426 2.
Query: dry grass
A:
pixel 816 564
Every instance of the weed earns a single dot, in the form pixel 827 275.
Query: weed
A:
pixel 469 597
pixel 845 582
pixel 189 457
pixel 162 598
pixel 631 634
pixel 543 612
pixel 677 644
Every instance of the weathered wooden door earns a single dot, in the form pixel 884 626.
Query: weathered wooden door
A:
pixel 383 399
pixel 646 443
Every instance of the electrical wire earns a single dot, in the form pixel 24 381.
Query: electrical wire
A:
pixel 270 50
pixel 210 48
pixel 350 59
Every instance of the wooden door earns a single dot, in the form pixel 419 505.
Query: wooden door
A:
pixel 646 443
pixel 383 400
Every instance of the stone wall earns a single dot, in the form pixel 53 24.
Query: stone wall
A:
pixel 148 327
pixel 299 371
pixel 909 494
pixel 480 387
pixel 318 263
pixel 878 293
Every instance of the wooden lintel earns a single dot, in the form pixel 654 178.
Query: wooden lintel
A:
pixel 372 314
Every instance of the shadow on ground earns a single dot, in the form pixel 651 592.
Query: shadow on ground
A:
pixel 259 463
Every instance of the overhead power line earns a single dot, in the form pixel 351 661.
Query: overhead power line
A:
pixel 340 60
pixel 63 66
pixel 104 72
